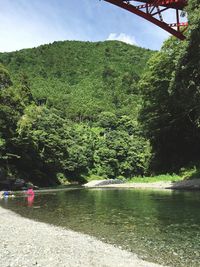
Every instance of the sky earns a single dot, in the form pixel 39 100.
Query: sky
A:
pixel 30 23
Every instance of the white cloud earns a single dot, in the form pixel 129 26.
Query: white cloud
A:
pixel 129 39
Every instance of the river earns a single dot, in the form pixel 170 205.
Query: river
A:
pixel 160 226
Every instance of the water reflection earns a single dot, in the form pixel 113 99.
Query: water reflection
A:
pixel 163 227
pixel 30 200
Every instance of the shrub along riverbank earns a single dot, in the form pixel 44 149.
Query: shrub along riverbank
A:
pixel 185 174
pixel 189 174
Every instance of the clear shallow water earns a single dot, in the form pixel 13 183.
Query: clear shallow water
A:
pixel 162 227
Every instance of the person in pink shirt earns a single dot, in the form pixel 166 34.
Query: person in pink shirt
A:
pixel 30 192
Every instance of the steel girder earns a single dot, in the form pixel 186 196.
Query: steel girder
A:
pixel 153 11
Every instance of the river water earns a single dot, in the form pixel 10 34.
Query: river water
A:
pixel 160 226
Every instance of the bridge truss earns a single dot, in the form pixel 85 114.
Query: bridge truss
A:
pixel 155 12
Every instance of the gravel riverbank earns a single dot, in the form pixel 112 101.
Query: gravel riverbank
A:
pixel 193 184
pixel 29 243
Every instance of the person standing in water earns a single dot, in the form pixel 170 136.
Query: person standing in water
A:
pixel 30 192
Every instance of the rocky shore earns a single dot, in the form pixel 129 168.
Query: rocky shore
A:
pixel 193 184
pixel 29 243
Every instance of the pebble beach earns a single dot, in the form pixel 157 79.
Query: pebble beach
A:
pixel 25 242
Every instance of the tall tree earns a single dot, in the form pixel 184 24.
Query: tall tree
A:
pixel 171 98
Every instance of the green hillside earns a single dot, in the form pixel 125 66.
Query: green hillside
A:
pixel 81 78
pixel 71 111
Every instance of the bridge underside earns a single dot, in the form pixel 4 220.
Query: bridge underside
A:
pixel 155 10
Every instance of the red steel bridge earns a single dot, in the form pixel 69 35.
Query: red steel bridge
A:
pixel 155 11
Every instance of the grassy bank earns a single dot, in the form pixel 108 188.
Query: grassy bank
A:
pixel 184 174
pixel 158 178
pixel 192 172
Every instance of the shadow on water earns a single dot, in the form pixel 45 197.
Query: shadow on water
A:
pixel 162 227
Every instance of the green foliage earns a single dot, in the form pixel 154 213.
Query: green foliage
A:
pixel 78 150
pixel 5 80
pixel 119 151
pixel 81 79
pixel 190 172
pixel 158 178
pixel 107 120
pixel 170 114
pixel 60 147
pixel 72 112
pixel 94 177
pixel 11 110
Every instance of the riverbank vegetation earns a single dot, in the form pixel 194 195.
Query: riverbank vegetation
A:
pixel 156 178
pixel 72 110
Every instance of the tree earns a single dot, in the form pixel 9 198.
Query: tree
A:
pixel 171 99
pixel 120 150
pixel 5 80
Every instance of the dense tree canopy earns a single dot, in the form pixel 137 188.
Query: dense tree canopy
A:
pixel 81 79
pixel 74 117
pixel 170 114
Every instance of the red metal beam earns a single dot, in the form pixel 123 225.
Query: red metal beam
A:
pixel 161 6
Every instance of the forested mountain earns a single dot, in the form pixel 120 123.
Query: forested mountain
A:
pixel 74 109
pixel 81 79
